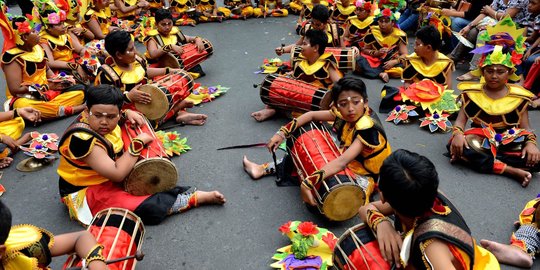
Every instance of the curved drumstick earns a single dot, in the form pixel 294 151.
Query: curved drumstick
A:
pixel 139 256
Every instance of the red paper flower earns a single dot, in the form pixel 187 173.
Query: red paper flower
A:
pixel 424 91
pixel 23 27
pixel 367 6
pixel 285 228
pixel 172 136
pixel 307 228
pixel 387 12
pixel 330 240
pixel 516 58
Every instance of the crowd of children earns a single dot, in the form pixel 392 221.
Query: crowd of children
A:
pixel 78 57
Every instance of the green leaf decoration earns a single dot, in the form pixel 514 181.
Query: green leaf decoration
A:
pixel 447 103
pixel 173 143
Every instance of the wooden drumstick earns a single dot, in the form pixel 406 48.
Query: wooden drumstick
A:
pixel 139 256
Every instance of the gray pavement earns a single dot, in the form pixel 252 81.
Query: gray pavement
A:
pixel 243 233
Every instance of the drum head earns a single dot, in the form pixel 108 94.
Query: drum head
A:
pixel 159 106
pixel 150 176
pixel 169 60
pixel 343 201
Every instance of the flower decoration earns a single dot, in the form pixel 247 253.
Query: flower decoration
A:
pixel 430 96
pixel 89 62
pixel 173 143
pixel 311 247
pixel 274 65
pixel 516 135
pixel 401 113
pixel 203 94
pixel 23 27
pixel 436 122
pixel 55 17
pixel 42 145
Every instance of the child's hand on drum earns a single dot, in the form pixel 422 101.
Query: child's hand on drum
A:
pixel 456 149
pixel 177 49
pixel 307 196
pixel 389 242
pixel 200 44
pixel 145 138
pixel 275 141
pixel 531 152
pixel 136 95
pixel 135 117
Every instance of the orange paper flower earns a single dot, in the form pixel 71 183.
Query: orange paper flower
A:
pixel 307 228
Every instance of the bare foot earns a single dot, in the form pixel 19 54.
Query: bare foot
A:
pixel 210 197
pixel 254 170
pixel 263 114
pixel 5 162
pixel 188 118
pixel 508 254
pixel 384 77
pixel 522 176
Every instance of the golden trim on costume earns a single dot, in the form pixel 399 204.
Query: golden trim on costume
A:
pixel 390 39
pixel 361 24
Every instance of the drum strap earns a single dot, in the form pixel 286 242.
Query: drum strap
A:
pixel 79 126
pixel 113 75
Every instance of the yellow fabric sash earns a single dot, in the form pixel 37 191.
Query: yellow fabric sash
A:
pixel 429 71
pixel 36 55
pixel 320 63
pixel 133 76
pixel 361 24
pixel 346 10
pixel 389 40
pixel 515 96
pixel 61 40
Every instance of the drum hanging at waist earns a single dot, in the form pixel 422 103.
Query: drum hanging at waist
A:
pixel 154 172
pixel 121 232
pixel 166 91
pixel 357 248
pixel 291 94
pixel 339 196
pixel 346 57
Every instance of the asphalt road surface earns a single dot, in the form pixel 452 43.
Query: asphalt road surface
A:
pixel 243 234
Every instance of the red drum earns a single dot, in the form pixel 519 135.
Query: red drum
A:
pixel 346 57
pixel 339 196
pixel 166 92
pixel 358 249
pixel 121 232
pixel 154 172
pixel 190 56
pixel 294 95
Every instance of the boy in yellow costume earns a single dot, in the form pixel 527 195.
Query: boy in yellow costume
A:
pixel 184 12
pixel 25 64
pixel 167 38
pixel 75 10
pixel 500 140
pixel 362 140
pixel 314 66
pixel 384 45
pixel 59 46
pixel 208 11
pixel 342 10
pixel 129 9
pixel 358 25
pixel 306 8
pixel 27 247
pixel 127 71
pixel 427 231
pixel 98 18
pixel 237 9
pixel 270 8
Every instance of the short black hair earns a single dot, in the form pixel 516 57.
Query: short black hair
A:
pixel 163 14
pixel 5 222
pixel 117 42
pixel 317 37
pixel 104 94
pixel 408 182
pixel 429 35
pixel 349 83
pixel 320 13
